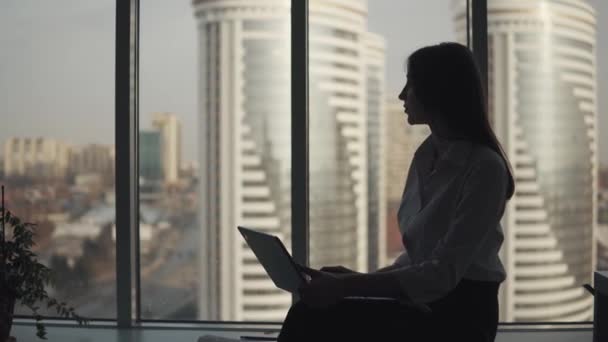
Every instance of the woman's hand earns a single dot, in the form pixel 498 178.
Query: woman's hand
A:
pixel 323 290
pixel 338 270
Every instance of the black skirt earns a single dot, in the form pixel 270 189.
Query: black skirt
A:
pixel 468 313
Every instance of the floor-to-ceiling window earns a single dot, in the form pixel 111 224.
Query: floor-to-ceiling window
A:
pixel 543 74
pixel 215 144
pixel 57 142
pixel 214 153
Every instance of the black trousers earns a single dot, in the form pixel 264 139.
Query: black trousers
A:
pixel 469 313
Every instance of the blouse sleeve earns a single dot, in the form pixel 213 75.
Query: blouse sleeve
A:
pixel 403 260
pixel 479 209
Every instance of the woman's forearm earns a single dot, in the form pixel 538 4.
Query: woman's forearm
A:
pixel 378 284
pixel 387 268
pixel 402 260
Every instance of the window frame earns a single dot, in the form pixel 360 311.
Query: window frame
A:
pixel 128 295
pixel 127 170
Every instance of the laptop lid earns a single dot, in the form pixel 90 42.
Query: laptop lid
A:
pixel 274 257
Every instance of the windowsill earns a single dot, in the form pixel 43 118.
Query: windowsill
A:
pixel 157 332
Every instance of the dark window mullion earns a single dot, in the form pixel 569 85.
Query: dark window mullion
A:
pixel 127 218
pixel 479 23
pixel 299 130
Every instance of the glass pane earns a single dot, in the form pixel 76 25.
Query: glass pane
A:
pixel 215 152
pixel 361 144
pixel 601 55
pixel 602 233
pixel 57 103
pixel 543 104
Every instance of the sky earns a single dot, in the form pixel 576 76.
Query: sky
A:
pixel 57 63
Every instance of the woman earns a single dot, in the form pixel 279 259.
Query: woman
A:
pixel 452 204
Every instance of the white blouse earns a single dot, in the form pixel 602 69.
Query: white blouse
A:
pixel 450 218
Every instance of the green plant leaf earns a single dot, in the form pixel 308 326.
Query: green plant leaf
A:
pixel 41 331
pixel 26 277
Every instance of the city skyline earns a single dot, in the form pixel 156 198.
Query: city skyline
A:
pixel 168 53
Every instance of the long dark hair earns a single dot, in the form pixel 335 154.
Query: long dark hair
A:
pixel 447 80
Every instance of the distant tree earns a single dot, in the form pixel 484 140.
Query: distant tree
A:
pixel 63 273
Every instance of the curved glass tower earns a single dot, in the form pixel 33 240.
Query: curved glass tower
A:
pixel 245 144
pixel 338 143
pixel 244 148
pixel 542 97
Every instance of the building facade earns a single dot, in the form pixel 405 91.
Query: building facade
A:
pixel 338 122
pixel 244 153
pixel 169 127
pixel 40 158
pixel 150 156
pixel 245 144
pixel 602 196
pixel 92 158
pixel 543 105
pixel 375 60
pixel 602 219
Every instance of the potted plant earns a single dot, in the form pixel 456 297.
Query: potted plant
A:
pixel 23 277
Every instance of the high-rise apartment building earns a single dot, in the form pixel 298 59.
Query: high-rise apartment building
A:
pixel 41 158
pixel 339 169
pixel 602 197
pixel 375 61
pixel 150 156
pixel 602 219
pixel 91 158
pixel 401 141
pixel 244 152
pixel 542 101
pixel 169 127
pixel 245 144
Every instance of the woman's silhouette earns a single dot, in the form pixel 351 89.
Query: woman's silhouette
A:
pixel 452 204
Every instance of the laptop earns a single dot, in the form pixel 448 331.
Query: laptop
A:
pixel 275 259
pixel 284 272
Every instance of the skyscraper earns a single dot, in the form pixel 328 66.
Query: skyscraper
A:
pixel 35 157
pixel 244 149
pixel 338 123
pixel 542 101
pixel 170 132
pixel 602 219
pixel 375 60
pixel 150 156
pixel 245 144
pixel 91 158
pixel 602 215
